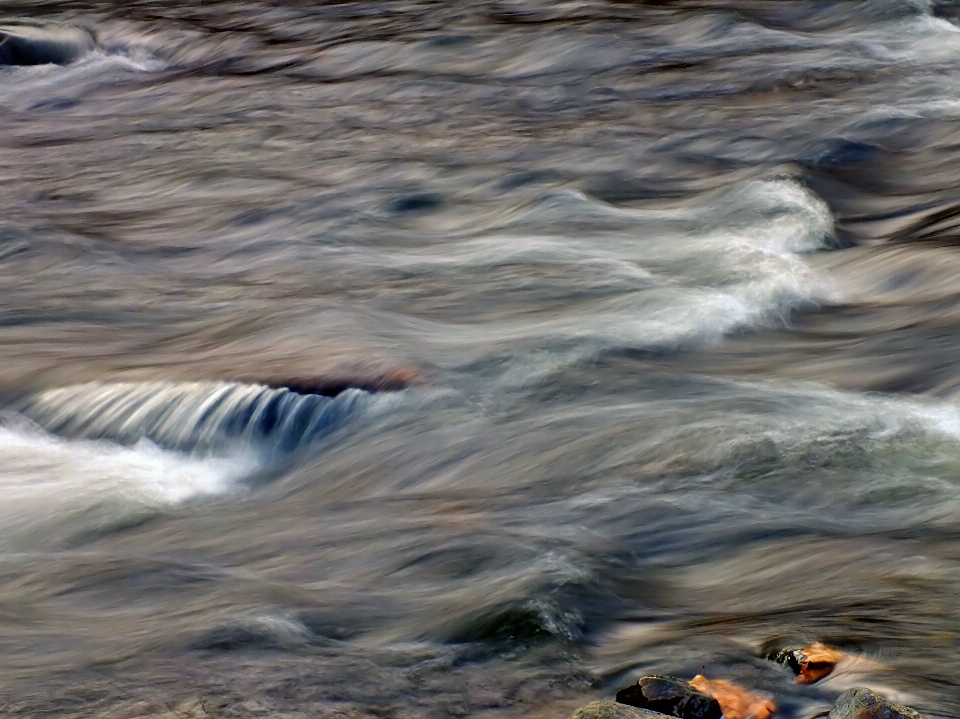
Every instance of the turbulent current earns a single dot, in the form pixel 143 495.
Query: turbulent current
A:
pixel 409 359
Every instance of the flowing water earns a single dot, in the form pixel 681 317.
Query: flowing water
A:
pixel 417 359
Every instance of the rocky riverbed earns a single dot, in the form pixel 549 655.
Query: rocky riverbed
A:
pixel 655 697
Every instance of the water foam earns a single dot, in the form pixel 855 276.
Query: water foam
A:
pixel 646 279
pixel 52 484
pixel 96 457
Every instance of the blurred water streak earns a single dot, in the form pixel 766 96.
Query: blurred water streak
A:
pixel 471 358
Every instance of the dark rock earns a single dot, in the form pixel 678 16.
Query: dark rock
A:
pixel 787 657
pixel 612 710
pixel 862 703
pixel 671 696
pixel 29 45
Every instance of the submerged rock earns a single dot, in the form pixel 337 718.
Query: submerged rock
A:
pixel 30 45
pixel 863 703
pixel 612 710
pixel 335 383
pixel 671 696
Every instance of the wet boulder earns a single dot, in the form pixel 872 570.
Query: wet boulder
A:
pixel 863 703
pixel 670 696
pixel 811 663
pixel 612 710
pixel 33 45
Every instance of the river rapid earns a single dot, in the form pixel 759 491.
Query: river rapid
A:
pixel 420 359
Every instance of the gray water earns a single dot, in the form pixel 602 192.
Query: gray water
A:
pixel 408 359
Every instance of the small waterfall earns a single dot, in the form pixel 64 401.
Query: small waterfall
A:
pixel 190 416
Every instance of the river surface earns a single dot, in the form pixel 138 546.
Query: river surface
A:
pixel 421 359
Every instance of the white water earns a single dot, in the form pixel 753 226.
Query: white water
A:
pixel 52 485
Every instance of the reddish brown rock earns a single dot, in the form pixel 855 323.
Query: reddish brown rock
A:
pixel 812 663
pixel 332 384
pixel 735 701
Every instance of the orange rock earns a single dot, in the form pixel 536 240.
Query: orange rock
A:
pixel 736 702
pixel 815 662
